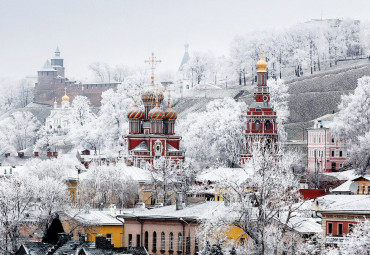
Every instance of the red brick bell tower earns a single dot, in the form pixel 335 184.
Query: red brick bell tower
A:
pixel 261 117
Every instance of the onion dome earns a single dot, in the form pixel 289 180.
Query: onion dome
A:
pixel 135 114
pixel 149 95
pixel 261 64
pixel 65 98
pixel 156 113
pixel 170 114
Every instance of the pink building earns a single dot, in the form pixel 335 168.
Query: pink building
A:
pixel 325 153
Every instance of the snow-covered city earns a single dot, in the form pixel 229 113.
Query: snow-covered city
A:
pixel 198 127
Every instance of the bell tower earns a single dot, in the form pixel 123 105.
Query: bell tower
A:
pixel 261 117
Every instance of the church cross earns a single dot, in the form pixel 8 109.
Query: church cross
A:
pixel 153 61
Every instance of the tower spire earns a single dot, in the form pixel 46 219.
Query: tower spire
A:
pixel 169 98
pixel 153 61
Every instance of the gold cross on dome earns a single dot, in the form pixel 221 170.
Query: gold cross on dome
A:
pixel 153 61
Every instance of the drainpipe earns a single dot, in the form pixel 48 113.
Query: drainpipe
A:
pixel 183 234
pixel 141 231
pixel 123 230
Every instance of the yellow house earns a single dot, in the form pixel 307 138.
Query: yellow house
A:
pixel 363 185
pixel 91 223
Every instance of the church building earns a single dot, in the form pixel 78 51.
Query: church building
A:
pixel 261 117
pixel 59 119
pixel 152 130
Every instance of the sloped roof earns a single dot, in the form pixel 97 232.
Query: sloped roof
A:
pixel 47 66
pixel 185 60
pixel 171 148
pixel 141 147
pixel 94 217
pixel 345 203
pixel 223 173
pixel 203 210
pixel 36 248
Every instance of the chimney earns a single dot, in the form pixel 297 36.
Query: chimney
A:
pixel 227 199
pixel 179 201
pixel 113 210
pixel 87 208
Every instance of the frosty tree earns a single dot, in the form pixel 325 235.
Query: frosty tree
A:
pixel 353 123
pixel 214 136
pixel 260 206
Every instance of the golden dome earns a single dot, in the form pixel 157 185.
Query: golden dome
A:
pixel 261 65
pixel 65 98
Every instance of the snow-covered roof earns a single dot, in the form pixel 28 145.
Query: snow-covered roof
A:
pixel 203 210
pixel 170 148
pixel 345 175
pixel 344 187
pixel 223 173
pixel 260 105
pixel 305 225
pixel 345 203
pixel 93 217
pixel 47 67
pixel 137 174
pixel 141 147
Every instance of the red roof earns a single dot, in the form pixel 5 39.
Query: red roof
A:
pixel 308 194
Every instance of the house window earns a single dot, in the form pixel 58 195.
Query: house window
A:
pixel 188 245
pixel 179 242
pixel 330 228
pixel 350 228
pixel 109 238
pixel 130 240
pixel 146 240
pixel 340 153
pixel 171 241
pixel 268 125
pixel 138 241
pixel 332 139
pixel 242 241
pixel 154 241
pixel 340 165
pixel 332 153
pixel 163 241
pixel 196 245
pixel 340 229
pixel 257 125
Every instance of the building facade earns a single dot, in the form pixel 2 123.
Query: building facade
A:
pixel 51 82
pixel 261 118
pixel 326 153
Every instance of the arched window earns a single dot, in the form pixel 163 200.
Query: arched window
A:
pixel 171 241
pixel 179 242
pixel 267 125
pixel 163 241
pixel 257 125
pixel 146 240
pixel 154 241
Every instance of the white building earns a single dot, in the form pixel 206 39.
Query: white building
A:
pixel 59 120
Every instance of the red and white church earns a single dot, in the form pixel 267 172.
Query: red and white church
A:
pixel 261 117
pixel 152 130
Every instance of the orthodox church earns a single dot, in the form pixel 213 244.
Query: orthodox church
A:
pixel 261 117
pixel 152 130
pixel 59 120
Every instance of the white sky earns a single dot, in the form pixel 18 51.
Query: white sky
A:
pixel 127 31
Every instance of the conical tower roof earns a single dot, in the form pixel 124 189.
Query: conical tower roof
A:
pixel 185 58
